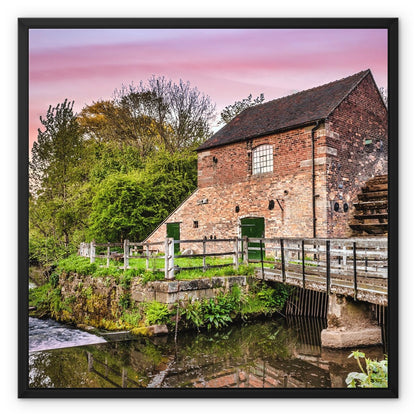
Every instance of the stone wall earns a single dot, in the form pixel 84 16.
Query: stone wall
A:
pixel 99 297
pixel 228 184
pixel 185 290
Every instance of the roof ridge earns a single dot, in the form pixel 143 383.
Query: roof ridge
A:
pixel 365 73
pixel 313 88
pixel 295 109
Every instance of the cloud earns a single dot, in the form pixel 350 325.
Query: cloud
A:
pixel 89 65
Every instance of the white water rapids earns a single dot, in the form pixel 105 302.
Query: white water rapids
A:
pixel 48 334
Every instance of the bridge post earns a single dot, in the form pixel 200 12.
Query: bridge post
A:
pixel 350 324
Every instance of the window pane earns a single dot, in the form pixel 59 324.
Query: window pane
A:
pixel 263 159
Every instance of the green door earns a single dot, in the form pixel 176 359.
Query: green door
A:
pixel 254 228
pixel 173 231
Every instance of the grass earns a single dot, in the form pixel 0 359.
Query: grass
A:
pixel 215 272
pixel 137 267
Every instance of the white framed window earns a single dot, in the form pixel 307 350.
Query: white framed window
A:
pixel 263 159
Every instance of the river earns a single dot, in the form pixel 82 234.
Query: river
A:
pixel 277 353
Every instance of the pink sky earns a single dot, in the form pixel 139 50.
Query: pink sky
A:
pixel 226 64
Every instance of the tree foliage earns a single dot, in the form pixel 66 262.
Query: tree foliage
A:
pixel 233 110
pixel 152 116
pixel 131 205
pixel 116 169
pixel 55 172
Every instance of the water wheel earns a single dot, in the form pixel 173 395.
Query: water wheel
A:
pixel 370 214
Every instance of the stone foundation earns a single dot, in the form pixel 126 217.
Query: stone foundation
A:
pixel 186 290
pixel 350 324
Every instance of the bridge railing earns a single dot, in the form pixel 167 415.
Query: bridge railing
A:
pixel 344 262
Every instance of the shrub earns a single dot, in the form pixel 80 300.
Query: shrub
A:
pixel 374 375
pixel 193 313
pixel 124 300
pixel 125 282
pixel 156 313
pixel 131 318
pixel 217 312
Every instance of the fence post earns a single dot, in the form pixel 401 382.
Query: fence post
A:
pixel 245 250
pixel 344 256
pixel 236 253
pixel 108 254
pixel 303 264
pixel 204 251
pixel 282 255
pixel 147 256
pixel 328 267
pixel 354 260
pixel 261 259
pixel 92 251
pixel 123 378
pixel 171 259
pixel 126 254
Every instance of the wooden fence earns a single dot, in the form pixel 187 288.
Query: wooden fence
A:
pixel 130 250
pixel 348 263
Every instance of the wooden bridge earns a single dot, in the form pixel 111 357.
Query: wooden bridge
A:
pixel 356 267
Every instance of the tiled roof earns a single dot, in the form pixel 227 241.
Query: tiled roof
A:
pixel 283 113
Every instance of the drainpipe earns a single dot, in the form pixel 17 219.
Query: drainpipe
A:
pixel 313 179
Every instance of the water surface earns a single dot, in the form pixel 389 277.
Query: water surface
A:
pixel 273 354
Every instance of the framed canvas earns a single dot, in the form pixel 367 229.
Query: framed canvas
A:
pixel 208 208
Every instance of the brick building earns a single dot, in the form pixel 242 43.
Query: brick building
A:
pixel 292 166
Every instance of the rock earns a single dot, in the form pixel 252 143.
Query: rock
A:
pixel 187 252
pixel 155 330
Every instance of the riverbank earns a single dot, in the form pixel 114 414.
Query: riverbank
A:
pixel 131 303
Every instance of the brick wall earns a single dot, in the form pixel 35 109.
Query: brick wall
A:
pixel 361 116
pixel 229 183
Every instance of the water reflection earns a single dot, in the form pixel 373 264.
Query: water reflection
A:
pixel 275 354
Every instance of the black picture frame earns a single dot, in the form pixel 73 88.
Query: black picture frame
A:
pixel 25 24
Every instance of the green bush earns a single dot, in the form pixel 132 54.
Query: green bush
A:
pixel 193 314
pixel 125 282
pixel 217 312
pixel 131 318
pixel 124 301
pixel 156 313
pixel 47 300
pixel 375 374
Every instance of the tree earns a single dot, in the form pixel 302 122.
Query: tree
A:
pixel 178 116
pixel 233 110
pixel 55 171
pixel 131 205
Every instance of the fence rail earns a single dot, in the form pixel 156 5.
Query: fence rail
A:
pixel 356 264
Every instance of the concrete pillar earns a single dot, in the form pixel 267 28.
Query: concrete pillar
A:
pixel 350 324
